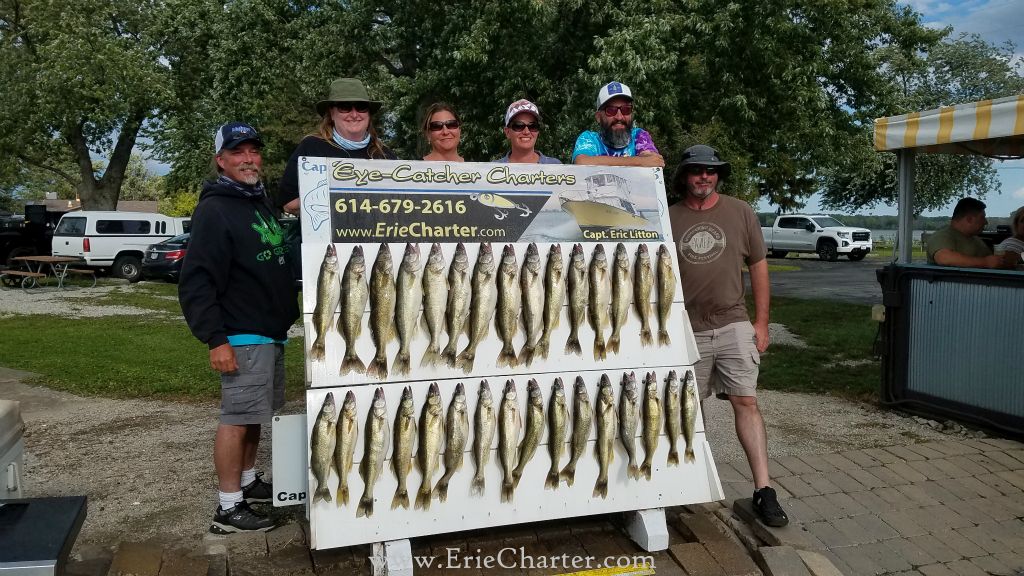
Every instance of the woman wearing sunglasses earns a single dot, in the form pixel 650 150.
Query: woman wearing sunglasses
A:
pixel 522 126
pixel 443 130
pixel 346 130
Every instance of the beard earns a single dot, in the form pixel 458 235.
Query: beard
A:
pixel 701 191
pixel 250 178
pixel 616 133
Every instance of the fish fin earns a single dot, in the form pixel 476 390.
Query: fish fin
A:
pixel 378 368
pixel 633 472
pixel 430 357
pixel 613 344
pixel 572 346
pixel 543 346
pixel 401 364
pixel 688 456
pixel 663 339
pixel 507 356
pixel 552 481
pixel 646 338
pixel 569 475
pixel 507 491
pixel 673 457
pixel 316 353
pixel 441 490
pixel 465 359
pixel 476 487
pixel 601 489
pixel 342 495
pixel 401 499
pixel 352 363
pixel 365 507
pixel 526 354
pixel 322 493
pixel 423 498
pixel 645 470
pixel 599 348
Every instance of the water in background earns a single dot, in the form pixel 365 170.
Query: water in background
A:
pixel 890 235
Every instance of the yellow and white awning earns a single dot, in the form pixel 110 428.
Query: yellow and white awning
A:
pixel 989 128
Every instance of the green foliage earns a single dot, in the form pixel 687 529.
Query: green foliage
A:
pixel 181 203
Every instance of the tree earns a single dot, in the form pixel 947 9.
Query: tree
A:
pixel 80 79
pixel 953 71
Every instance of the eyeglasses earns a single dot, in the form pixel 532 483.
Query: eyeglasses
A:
pixel 346 107
pixel 698 170
pixel 519 126
pixel 437 126
pixel 626 110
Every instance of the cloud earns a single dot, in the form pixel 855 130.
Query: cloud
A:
pixel 1019 193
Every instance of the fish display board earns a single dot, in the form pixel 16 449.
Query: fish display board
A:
pixel 462 320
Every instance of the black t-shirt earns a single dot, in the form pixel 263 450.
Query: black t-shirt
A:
pixel 288 189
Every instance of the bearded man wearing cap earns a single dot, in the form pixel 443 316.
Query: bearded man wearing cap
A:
pixel 618 143
pixel 238 297
pixel 522 127
pixel 715 236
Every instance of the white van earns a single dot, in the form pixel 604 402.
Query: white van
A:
pixel 116 240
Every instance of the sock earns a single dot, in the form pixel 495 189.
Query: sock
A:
pixel 248 477
pixel 228 500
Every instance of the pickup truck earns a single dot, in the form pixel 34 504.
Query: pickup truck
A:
pixel 814 233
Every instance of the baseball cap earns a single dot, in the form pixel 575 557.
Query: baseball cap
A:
pixel 611 90
pixel 232 134
pixel 518 106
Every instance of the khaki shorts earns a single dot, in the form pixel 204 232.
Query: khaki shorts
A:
pixel 251 394
pixel 729 361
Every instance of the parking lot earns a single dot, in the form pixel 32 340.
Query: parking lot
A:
pixel 842 280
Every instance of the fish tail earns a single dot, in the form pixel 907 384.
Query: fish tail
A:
pixel 465 360
pixel 401 363
pixel 601 488
pixel 645 469
pixel 543 346
pixel 507 491
pixel 632 471
pixel 378 368
pixel 673 457
pixel 613 344
pixel 431 356
pixel 322 493
pixel 663 339
pixel 688 455
pixel 572 345
pixel 552 480
pixel 365 507
pixel 441 490
pixel 507 356
pixel 401 499
pixel 476 487
pixel 342 495
pixel 351 362
pixel 526 355
pixel 646 338
pixel 599 348
pixel 423 498
pixel 568 474
pixel 316 353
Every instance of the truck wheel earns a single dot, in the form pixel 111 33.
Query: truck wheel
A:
pixel 19 251
pixel 129 268
pixel 828 251
pixel 778 253
pixel 856 256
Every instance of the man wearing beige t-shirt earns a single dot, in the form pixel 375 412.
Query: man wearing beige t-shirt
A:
pixel 715 236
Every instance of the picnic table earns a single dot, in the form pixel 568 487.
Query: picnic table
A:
pixel 41 268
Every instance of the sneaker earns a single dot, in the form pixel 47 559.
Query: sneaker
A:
pixel 766 504
pixel 258 490
pixel 240 518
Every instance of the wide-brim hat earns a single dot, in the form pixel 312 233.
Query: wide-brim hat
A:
pixel 701 155
pixel 347 90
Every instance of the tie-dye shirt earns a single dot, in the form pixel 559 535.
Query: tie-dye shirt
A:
pixel 591 144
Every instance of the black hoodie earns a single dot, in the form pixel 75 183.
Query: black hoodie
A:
pixel 236 278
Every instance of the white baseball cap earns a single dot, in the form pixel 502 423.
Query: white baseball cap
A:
pixel 611 90
pixel 518 106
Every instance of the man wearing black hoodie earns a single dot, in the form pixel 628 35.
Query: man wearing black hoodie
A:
pixel 238 297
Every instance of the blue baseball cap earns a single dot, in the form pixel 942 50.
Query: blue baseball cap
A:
pixel 232 134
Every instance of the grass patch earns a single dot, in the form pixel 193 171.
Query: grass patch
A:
pixel 884 251
pixel 838 358
pixel 782 268
pixel 156 296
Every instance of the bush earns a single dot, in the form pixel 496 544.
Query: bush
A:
pixel 181 203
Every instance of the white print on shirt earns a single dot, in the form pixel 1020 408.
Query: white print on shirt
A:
pixel 702 244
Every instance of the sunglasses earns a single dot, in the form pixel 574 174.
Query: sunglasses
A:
pixel 626 110
pixel 519 126
pixel 346 107
pixel 437 126
pixel 698 170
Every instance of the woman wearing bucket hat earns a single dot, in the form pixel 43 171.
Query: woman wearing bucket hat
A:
pixel 522 126
pixel 442 130
pixel 346 130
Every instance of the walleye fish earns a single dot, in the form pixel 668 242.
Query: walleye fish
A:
pixel 328 295
pixel 435 292
pixel 628 421
pixel 673 424
pixel 666 293
pixel 405 438
pixel 690 406
pixel 509 305
pixel 578 295
pixel 481 307
pixel 431 435
pixel 621 294
pixel 457 312
pixel 347 433
pixel 509 424
pixel 354 294
pixel 377 438
pixel 582 417
pixel 483 434
pixel 532 288
pixel 597 308
pixel 652 423
pixel 605 435
pixel 533 431
pixel 456 433
pixel 554 294
pixel 558 418
pixel 643 281
pixel 321 447
pixel 382 310
pixel 408 298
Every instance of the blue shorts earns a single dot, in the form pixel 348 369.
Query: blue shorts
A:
pixel 251 394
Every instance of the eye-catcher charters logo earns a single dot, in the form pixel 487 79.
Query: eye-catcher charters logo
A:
pixel 702 243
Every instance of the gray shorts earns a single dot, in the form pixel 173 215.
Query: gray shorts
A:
pixel 251 394
pixel 729 361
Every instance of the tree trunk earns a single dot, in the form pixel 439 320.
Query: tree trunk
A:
pixel 103 193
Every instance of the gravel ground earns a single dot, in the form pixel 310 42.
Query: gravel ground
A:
pixel 147 466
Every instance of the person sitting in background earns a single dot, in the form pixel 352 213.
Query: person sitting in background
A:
pixel 443 131
pixel 522 127
pixel 958 244
pixel 1014 244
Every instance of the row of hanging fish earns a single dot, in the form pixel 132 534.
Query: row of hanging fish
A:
pixel 463 301
pixel 444 437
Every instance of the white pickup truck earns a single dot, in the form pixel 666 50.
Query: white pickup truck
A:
pixel 814 233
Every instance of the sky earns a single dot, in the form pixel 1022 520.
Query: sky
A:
pixel 996 21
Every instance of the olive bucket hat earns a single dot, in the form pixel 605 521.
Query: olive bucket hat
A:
pixel 700 155
pixel 347 90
